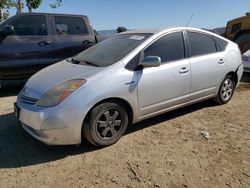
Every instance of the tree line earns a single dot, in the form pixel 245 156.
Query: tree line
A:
pixel 6 5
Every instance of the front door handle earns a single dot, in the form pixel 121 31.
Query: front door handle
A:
pixel 183 70
pixel 221 61
pixel 44 43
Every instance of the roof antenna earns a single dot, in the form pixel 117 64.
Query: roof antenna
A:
pixel 190 19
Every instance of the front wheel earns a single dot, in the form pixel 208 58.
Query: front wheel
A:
pixel 105 124
pixel 226 90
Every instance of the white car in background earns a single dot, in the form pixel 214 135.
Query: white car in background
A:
pixel 246 61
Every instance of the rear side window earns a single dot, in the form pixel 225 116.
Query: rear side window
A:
pixel 200 44
pixel 169 47
pixel 29 25
pixel 70 25
pixel 221 43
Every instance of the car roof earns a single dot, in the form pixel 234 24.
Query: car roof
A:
pixel 157 32
pixel 150 31
pixel 160 30
pixel 56 14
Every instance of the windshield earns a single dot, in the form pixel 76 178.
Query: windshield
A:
pixel 111 50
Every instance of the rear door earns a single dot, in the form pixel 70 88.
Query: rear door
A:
pixel 28 49
pixel 207 64
pixel 72 34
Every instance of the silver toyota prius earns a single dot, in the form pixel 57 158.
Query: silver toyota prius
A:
pixel 125 79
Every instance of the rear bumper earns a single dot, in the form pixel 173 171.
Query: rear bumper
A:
pixel 239 74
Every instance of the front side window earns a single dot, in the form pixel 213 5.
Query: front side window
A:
pixel 70 25
pixel 32 25
pixel 200 44
pixel 169 47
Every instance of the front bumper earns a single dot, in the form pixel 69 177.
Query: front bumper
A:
pixel 50 137
pixel 53 126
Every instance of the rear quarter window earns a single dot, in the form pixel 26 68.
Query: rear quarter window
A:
pixel 222 44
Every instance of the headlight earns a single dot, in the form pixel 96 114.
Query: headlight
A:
pixel 57 94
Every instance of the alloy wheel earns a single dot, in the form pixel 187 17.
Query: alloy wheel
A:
pixel 227 89
pixel 109 124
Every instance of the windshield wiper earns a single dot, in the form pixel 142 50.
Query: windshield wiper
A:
pixel 89 63
pixel 76 61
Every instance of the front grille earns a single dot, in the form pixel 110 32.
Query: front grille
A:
pixel 28 100
pixel 246 69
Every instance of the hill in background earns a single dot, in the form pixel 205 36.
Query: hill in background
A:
pixel 219 30
pixel 107 33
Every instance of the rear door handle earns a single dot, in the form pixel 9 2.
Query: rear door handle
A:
pixel 221 61
pixel 183 70
pixel 44 43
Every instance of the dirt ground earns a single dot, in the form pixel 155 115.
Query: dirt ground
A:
pixel 165 151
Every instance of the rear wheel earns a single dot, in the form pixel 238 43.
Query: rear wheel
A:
pixel 226 90
pixel 106 123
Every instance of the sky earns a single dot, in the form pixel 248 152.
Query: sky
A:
pixel 138 14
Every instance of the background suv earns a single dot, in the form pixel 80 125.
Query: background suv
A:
pixel 32 41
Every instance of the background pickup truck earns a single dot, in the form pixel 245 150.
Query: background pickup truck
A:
pixel 32 41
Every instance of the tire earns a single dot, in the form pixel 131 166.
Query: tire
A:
pixel 105 124
pixel 226 90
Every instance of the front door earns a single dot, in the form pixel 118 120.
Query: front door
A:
pixel 28 49
pixel 168 85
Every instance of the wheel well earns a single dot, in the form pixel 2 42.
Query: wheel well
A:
pixel 234 76
pixel 116 100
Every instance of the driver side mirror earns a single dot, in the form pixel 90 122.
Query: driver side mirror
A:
pixel 151 61
pixel 7 30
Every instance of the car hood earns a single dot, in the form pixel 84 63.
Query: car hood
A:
pixel 55 74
